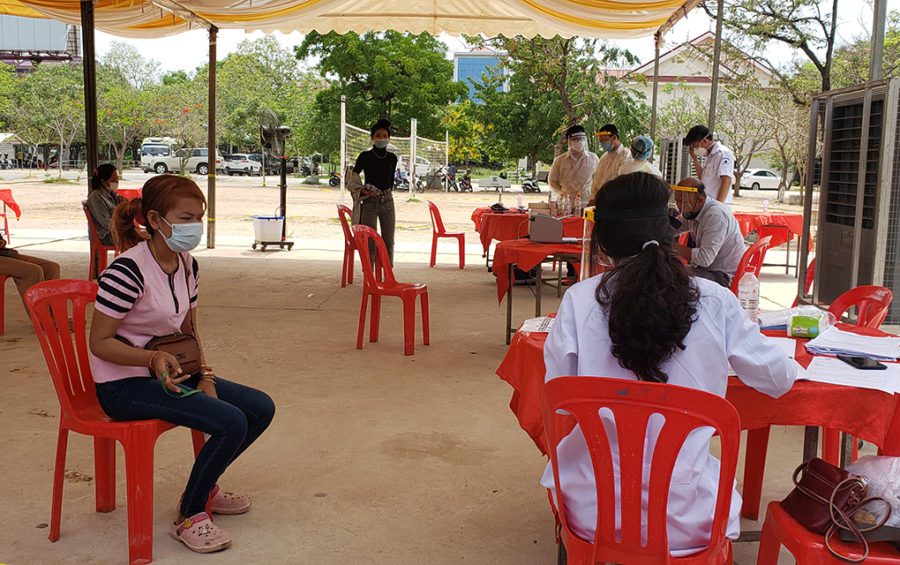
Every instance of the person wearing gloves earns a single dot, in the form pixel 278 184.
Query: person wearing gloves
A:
pixel 573 171
pixel 614 157
pixel 717 171
pixel 641 152
pixel 647 319
pixel 373 203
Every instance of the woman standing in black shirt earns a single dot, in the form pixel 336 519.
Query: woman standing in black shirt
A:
pixel 375 201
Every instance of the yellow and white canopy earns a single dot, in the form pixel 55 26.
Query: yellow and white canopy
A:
pixel 154 18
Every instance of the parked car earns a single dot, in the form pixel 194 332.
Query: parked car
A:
pixel 242 164
pixel 197 162
pixel 756 179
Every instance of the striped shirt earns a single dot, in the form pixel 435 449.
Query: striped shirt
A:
pixel 149 303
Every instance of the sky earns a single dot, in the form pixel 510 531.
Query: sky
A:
pixel 189 50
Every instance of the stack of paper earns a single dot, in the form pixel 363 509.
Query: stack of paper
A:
pixel 542 324
pixel 834 371
pixel 837 342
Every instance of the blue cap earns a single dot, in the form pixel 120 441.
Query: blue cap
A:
pixel 642 148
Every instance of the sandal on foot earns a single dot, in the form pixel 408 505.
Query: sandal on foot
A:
pixel 224 502
pixel 199 534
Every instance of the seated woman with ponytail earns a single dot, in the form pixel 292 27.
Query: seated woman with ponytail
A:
pixel 648 319
pixel 150 291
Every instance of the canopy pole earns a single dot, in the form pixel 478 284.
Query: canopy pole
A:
pixel 89 68
pixel 657 39
pixel 446 160
pixel 717 53
pixel 877 58
pixel 343 174
pixel 212 152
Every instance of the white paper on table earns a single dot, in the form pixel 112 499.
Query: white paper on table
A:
pixel 834 341
pixel 540 325
pixel 834 371
pixel 786 344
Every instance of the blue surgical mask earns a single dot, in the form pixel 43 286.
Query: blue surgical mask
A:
pixel 381 143
pixel 606 145
pixel 185 237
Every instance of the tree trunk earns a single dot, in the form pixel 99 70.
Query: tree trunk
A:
pixel 737 183
pixel 120 157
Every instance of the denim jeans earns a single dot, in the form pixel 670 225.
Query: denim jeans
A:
pixel 234 420
pixel 380 210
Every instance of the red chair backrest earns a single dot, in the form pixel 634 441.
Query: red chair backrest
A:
pixel 345 215
pixel 632 403
pixel 65 348
pixel 871 302
pixel 807 284
pixel 129 193
pixel 361 236
pixel 437 224
pixel 92 229
pixel 752 261
pixel 6 196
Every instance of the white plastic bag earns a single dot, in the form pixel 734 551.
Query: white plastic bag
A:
pixel 883 474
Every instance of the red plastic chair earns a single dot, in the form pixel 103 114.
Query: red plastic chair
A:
pixel 809 547
pixel 632 403
pixel 752 261
pixel 375 287
pixel 807 284
pixel 438 231
pixel 66 353
pixel 6 196
pixel 872 304
pixel 344 215
pixel 99 252
pixel 129 193
pixel 2 303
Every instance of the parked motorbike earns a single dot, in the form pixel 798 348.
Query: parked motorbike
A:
pixel 334 179
pixel 401 180
pixel 530 184
pixel 465 183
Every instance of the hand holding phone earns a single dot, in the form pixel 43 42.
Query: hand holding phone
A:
pixel 862 363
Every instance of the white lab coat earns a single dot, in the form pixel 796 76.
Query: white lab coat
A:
pixel 579 345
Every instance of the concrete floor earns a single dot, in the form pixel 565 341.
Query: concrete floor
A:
pixel 373 457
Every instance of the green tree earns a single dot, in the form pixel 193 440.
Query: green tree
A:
pixel 467 133
pixel 7 90
pixel 385 74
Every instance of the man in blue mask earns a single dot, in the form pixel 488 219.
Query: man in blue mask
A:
pixel 615 155
pixel 719 244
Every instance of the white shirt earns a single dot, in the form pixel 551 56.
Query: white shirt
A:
pixel 579 345
pixel 571 173
pixel 719 163
pixel 720 244
pixel 609 166
pixel 640 166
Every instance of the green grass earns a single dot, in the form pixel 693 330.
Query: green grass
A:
pixel 56 180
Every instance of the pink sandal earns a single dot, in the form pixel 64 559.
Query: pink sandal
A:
pixel 199 534
pixel 224 502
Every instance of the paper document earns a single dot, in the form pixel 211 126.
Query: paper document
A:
pixel 786 344
pixel 836 372
pixel 838 342
pixel 542 324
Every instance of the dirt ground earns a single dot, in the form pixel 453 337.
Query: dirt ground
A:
pixel 373 457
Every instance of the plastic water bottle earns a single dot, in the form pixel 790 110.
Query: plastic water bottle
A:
pixel 519 204
pixel 748 294
pixel 765 206
pixel 566 207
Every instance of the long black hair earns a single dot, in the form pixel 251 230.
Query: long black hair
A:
pixel 102 174
pixel 648 295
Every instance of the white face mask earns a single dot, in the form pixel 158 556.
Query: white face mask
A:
pixel 113 186
pixel 576 145
pixel 700 151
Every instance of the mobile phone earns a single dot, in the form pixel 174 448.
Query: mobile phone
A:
pixel 863 363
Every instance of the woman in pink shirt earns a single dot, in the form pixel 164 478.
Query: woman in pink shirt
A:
pixel 148 291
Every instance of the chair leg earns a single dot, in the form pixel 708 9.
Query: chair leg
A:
pixel 375 320
pixel 462 252
pixel 139 485
pixel 831 446
pixel 2 302
pixel 92 275
pixel 362 319
pixel 426 327
pixel 754 470
pixel 59 473
pixel 409 324
pixel 769 545
pixel 105 473
pixel 350 264
pixel 434 241
pixel 344 268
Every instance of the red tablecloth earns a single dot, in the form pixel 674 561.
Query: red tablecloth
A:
pixel 504 226
pixel 868 414
pixel 7 198
pixel 129 193
pixel 753 221
pixel 525 254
